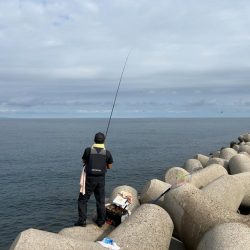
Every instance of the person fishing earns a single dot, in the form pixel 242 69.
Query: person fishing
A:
pixel 96 160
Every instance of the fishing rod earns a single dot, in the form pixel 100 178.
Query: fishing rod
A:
pixel 116 94
pixel 84 165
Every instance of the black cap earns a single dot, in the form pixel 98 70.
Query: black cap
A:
pixel 99 138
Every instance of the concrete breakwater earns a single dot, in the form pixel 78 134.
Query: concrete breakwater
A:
pixel 207 207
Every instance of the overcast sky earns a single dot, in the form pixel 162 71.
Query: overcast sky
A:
pixel 63 58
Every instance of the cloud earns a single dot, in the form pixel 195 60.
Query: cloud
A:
pixel 56 53
pixel 6 110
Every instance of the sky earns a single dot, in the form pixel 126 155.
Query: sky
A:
pixel 64 58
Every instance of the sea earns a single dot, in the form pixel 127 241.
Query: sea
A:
pixel 40 162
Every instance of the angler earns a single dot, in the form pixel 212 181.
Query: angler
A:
pixel 96 160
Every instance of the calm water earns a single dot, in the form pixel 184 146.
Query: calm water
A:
pixel 40 162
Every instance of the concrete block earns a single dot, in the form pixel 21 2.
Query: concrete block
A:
pixel 135 202
pixel 39 240
pixel 239 163
pixel 220 161
pixel 202 158
pixel 194 213
pixel 89 233
pixel 244 179
pixel 227 236
pixel 244 148
pixel 226 190
pixel 192 165
pixel 246 137
pixel 208 174
pixel 227 153
pixel 236 147
pixel 177 175
pixel 152 190
pixel 244 153
pixel 149 227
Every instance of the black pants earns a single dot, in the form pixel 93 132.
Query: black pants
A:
pixel 94 184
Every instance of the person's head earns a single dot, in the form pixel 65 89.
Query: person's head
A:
pixel 99 138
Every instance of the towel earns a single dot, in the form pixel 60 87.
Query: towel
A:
pixel 82 181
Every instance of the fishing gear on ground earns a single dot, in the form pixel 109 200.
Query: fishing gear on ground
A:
pixel 118 210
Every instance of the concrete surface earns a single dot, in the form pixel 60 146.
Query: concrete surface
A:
pixel 152 190
pixel 236 147
pixel 244 179
pixel 194 213
pixel 228 191
pixel 89 233
pixel 192 165
pixel 239 163
pixel 228 236
pixel 33 239
pixel 227 153
pixel 208 174
pixel 202 158
pixel 220 161
pixel 246 137
pixel 176 175
pixel 244 148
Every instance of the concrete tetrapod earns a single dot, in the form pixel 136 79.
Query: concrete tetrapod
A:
pixel 194 213
pixel 228 236
pixel 152 190
pixel 244 153
pixel 239 163
pixel 89 233
pixel 244 179
pixel 203 177
pixel 192 165
pixel 135 202
pixel 244 148
pixel 227 153
pixel 227 190
pixel 200 179
pixel 149 227
pixel 246 137
pixel 39 240
pixel 220 161
pixel 177 175
pixel 202 158
pixel 236 147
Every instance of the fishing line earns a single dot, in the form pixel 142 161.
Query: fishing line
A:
pixel 116 94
